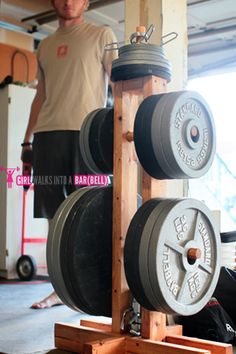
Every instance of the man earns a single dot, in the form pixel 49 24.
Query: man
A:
pixel 73 71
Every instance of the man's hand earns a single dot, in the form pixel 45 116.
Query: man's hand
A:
pixel 24 149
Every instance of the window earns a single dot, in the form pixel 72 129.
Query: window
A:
pixel 218 187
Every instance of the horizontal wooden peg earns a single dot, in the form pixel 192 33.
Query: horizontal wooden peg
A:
pixel 130 136
pixel 141 29
pixel 194 254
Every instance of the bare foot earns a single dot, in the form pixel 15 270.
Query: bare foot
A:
pixel 49 301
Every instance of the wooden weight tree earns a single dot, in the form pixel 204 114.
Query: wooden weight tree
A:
pixel 156 336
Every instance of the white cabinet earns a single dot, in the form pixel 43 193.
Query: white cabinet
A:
pixel 15 103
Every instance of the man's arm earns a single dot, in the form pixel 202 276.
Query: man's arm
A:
pixel 109 76
pixel 35 109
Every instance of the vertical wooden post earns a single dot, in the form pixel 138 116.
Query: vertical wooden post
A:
pixel 153 323
pixel 167 16
pixel 128 95
pixel 124 194
pixel 161 13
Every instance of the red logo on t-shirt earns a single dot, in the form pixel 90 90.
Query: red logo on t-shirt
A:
pixel 62 50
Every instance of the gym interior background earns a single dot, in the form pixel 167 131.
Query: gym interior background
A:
pixel 211 71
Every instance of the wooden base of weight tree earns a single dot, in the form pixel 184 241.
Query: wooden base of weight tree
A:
pixel 156 337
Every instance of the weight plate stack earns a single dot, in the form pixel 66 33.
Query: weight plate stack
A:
pixel 182 135
pixel 132 251
pixel 172 256
pixel 188 146
pixel 96 140
pixel 84 141
pixel 139 60
pixel 87 239
pixel 54 246
pixel 79 251
pixel 143 139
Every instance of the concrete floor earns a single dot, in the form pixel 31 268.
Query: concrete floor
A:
pixel 27 331
pixel 24 330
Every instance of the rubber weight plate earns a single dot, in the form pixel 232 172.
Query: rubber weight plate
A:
pixel 66 236
pixel 53 241
pixel 85 252
pixel 156 135
pixel 54 246
pixel 187 141
pixel 87 237
pixel 106 141
pixel 131 253
pixel 143 138
pixel 133 71
pixel 84 142
pixel 101 140
pixel 184 257
pixel 96 141
pixel 143 254
pixel 136 244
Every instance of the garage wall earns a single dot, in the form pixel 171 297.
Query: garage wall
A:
pixel 16 56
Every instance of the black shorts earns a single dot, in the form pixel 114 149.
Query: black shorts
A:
pixel 56 159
